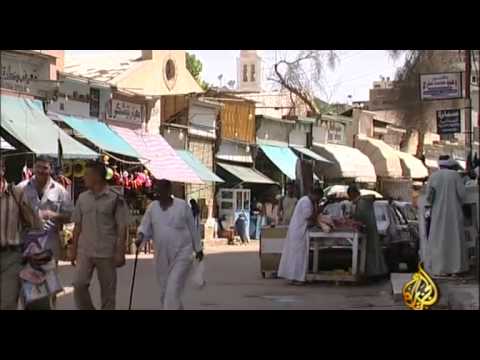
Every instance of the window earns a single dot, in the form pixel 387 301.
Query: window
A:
pixel 245 73
pixel 336 132
pixel 94 102
pixel 239 201
pixel 252 73
pixel 170 69
pixel 474 80
pixel 226 205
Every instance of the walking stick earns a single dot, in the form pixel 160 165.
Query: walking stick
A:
pixel 133 277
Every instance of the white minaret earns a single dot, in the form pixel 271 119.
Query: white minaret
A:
pixel 249 71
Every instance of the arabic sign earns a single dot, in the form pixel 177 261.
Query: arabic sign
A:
pixel 421 292
pixel 20 75
pixel 441 86
pixel 448 121
pixel 126 112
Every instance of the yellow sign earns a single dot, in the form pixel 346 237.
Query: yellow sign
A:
pixel 420 293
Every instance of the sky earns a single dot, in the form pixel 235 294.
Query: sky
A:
pixel 354 74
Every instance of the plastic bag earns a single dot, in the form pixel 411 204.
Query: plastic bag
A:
pixel 33 291
pixel 197 274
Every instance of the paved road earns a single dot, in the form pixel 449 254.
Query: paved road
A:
pixel 234 282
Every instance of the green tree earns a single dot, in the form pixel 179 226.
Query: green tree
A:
pixel 195 68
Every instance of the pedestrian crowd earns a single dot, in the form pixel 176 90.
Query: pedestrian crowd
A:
pixel 33 212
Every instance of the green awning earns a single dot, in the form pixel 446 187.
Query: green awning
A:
pixel 101 135
pixel 25 120
pixel 246 174
pixel 204 173
pixel 283 158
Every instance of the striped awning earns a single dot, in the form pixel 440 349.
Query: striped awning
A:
pixel 384 158
pixel 162 160
pixel 411 166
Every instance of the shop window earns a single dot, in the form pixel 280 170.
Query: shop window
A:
pixel 94 102
pixel 239 201
pixel 227 194
pixel 336 132
pixel 227 205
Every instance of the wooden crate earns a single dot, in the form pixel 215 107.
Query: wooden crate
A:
pixel 271 246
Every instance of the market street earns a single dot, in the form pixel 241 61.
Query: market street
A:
pixel 234 282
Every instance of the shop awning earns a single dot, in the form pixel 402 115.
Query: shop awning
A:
pixel 4 145
pixel 230 151
pixel 311 154
pixel 246 174
pixel 101 135
pixel 384 158
pixel 25 120
pixel 161 159
pixel 411 166
pixel 200 169
pixel 283 158
pixel 347 162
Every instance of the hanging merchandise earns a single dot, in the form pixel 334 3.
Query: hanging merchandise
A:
pixel 117 178
pixel 109 175
pixel 67 168
pixel 141 179
pixel 79 168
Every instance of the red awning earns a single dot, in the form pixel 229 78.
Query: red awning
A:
pixel 163 161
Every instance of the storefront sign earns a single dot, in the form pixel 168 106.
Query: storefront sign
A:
pixel 441 86
pixel 126 112
pixel 23 76
pixel 448 121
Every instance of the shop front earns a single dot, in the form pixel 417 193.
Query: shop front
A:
pixel 239 195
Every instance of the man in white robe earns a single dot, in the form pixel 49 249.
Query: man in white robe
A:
pixel 446 251
pixel 169 222
pixel 294 260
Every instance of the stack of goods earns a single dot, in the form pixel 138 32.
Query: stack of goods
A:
pixel 329 224
pixel 325 222
pixel 347 224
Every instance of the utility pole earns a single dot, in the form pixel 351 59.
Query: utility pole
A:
pixel 468 107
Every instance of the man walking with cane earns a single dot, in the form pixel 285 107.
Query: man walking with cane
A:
pixel 99 238
pixel 169 222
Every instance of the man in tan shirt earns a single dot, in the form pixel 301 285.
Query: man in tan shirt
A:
pixel 99 238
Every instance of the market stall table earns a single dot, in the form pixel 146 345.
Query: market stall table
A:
pixel 338 240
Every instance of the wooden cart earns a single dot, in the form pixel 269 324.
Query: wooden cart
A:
pixel 353 240
pixel 273 239
pixel 271 247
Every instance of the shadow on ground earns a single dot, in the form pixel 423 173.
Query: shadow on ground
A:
pixel 234 281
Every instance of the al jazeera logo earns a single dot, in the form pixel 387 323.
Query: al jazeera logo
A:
pixel 420 293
